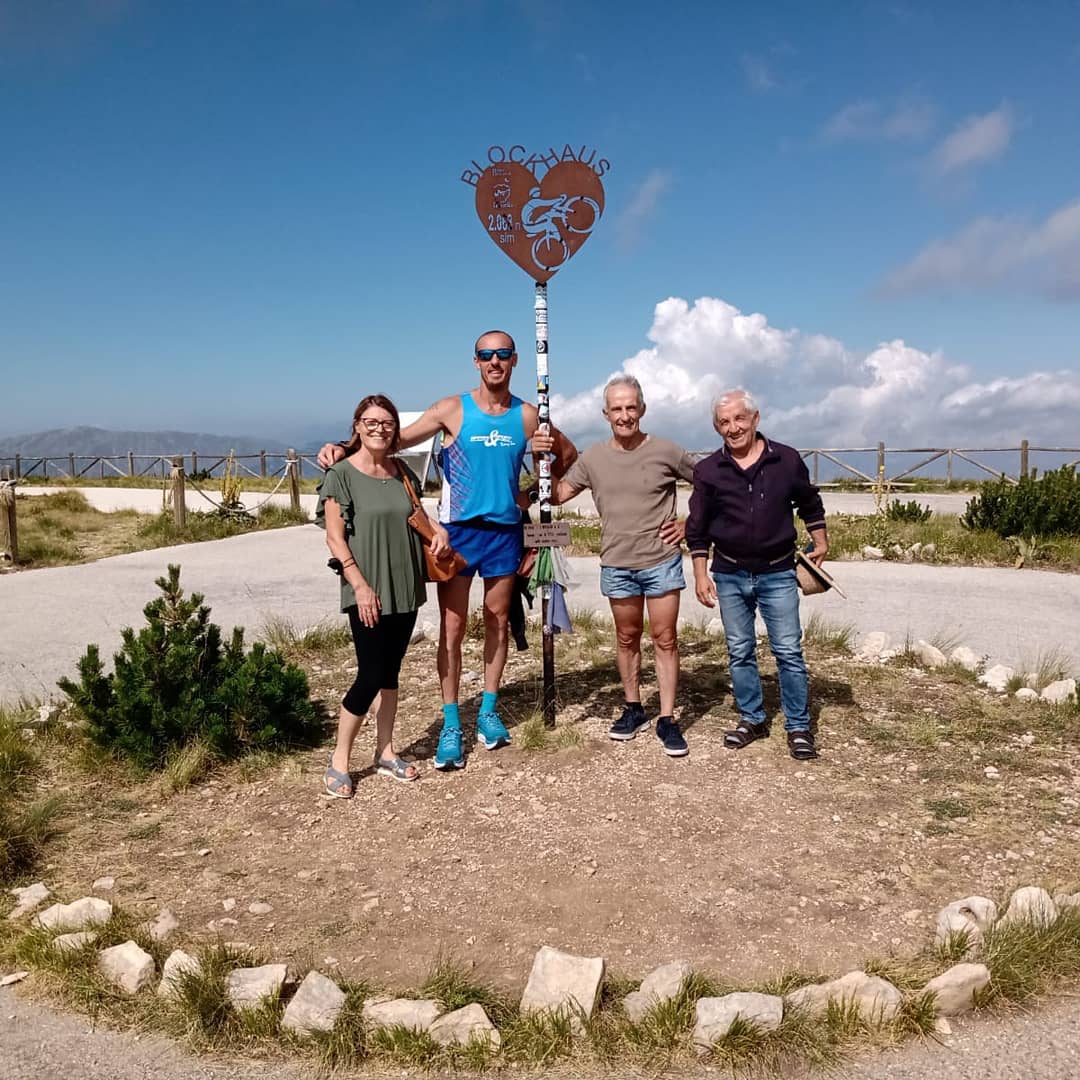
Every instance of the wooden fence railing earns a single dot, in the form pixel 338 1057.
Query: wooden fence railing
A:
pixel 849 464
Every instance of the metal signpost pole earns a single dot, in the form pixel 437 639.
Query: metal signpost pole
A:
pixel 540 222
pixel 540 311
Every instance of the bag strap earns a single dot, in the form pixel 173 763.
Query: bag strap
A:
pixel 409 488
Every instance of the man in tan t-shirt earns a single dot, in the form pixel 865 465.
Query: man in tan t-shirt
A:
pixel 632 476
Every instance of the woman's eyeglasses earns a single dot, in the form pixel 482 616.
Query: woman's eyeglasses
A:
pixel 485 355
pixel 378 425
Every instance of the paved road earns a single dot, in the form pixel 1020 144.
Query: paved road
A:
pixel 48 616
pixel 148 500
pixel 42 1043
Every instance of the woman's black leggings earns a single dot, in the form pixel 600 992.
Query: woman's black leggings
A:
pixel 379 652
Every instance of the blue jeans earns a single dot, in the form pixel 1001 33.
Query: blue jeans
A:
pixel 617 584
pixel 739 595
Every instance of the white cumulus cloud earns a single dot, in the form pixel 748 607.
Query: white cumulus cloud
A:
pixel 1043 257
pixel 815 391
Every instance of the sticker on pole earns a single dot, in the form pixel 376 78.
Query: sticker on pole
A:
pixel 539 222
pixel 547 534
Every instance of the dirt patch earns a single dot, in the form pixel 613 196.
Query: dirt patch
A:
pixel 745 863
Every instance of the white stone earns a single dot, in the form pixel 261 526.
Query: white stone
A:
pixel 315 1006
pixel 418 635
pixel 248 988
pixel 997 677
pixel 663 984
pixel 417 1014
pixel 260 908
pixel 929 551
pixel 104 884
pixel 1067 900
pixel 464 1025
pixel 715 627
pixel 1058 693
pixel 872 553
pixel 28 898
pixel 13 978
pixel 965 657
pixel 74 942
pixel 1031 904
pixel 955 989
pixel 873 645
pixel 229 903
pixel 89 911
pixel 127 966
pixel 163 925
pixel 715 1015
pixel 973 916
pixel 875 998
pixel 176 964
pixel 929 655
pixel 558 980
pixel 1025 693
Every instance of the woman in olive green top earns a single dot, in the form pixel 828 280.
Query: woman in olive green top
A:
pixel 364 507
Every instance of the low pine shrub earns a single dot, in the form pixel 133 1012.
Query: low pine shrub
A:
pixel 176 681
pixel 909 511
pixel 1044 506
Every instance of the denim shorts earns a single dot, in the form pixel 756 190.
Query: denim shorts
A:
pixel 618 584
pixel 489 549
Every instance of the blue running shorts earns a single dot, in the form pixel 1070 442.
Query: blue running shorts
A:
pixel 489 549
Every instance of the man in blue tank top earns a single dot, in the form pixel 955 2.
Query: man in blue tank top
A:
pixel 484 435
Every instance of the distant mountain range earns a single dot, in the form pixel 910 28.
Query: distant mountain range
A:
pixel 83 441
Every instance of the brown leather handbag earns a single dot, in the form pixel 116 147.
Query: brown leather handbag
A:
pixel 447 565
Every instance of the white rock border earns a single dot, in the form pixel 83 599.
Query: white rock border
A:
pixel 561 981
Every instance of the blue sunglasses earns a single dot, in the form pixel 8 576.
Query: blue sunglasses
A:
pixel 485 355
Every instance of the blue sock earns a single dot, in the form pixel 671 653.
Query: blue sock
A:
pixel 450 717
pixel 487 702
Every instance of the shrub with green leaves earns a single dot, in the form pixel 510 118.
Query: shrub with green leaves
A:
pixel 1044 506
pixel 909 511
pixel 26 823
pixel 175 681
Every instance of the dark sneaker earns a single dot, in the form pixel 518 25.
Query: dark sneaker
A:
pixel 667 731
pixel 633 719
pixel 744 733
pixel 801 745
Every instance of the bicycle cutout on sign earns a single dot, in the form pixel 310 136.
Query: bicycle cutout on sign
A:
pixel 541 219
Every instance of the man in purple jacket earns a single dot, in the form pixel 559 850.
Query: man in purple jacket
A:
pixel 741 508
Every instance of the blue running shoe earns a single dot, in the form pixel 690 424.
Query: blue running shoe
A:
pixel 491 731
pixel 450 755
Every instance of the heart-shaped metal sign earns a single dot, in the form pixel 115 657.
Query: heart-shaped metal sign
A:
pixel 539 224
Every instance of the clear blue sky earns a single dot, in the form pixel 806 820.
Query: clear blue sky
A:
pixel 242 216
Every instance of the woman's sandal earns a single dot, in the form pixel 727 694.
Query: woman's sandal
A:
pixel 337 784
pixel 397 769
pixel 744 734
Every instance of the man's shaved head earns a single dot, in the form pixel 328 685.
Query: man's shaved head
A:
pixel 495 333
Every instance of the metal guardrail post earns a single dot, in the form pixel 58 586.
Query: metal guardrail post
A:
pixel 1023 459
pixel 18 466
pixel 262 463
